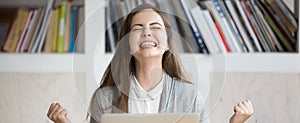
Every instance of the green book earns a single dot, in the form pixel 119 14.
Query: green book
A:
pixel 62 25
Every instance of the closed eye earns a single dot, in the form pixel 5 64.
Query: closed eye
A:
pixel 155 28
pixel 136 29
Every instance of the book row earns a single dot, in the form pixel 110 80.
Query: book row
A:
pixel 216 26
pixel 47 29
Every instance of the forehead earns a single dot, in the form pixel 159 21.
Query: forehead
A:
pixel 146 16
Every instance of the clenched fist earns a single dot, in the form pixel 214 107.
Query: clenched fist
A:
pixel 242 111
pixel 57 113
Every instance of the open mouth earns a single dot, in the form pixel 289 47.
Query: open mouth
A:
pixel 147 44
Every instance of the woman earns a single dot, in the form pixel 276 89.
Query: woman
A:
pixel 153 82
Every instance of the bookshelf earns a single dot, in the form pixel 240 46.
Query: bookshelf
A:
pixel 94 11
pixel 43 78
pixel 243 62
pixel 94 60
pixel 39 62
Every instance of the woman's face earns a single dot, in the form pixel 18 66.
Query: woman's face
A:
pixel 148 36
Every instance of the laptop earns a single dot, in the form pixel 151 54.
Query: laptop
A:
pixel 150 118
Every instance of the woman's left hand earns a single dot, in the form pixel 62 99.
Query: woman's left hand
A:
pixel 242 111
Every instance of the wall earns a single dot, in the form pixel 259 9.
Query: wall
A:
pixel 26 97
pixel 275 96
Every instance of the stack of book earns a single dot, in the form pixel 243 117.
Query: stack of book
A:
pixel 217 26
pixel 49 28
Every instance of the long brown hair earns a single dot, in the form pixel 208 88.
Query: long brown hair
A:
pixel 122 64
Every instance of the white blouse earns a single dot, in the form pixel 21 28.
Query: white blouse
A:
pixel 142 102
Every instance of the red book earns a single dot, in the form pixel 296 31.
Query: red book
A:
pixel 222 37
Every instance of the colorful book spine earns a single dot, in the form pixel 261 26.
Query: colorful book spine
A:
pixel 233 43
pixel 72 33
pixel 25 31
pixel 16 30
pixel 62 24
pixel 202 47
pixel 30 31
pixel 241 28
pixel 55 32
pixel 248 26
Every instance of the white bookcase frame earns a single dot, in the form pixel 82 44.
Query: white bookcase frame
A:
pixel 94 61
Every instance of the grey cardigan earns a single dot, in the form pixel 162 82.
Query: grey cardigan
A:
pixel 177 97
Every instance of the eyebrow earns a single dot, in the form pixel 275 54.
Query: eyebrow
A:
pixel 142 24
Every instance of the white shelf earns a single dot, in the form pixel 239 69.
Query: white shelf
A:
pixel 254 62
pixel 41 62
pixel 237 62
pixel 260 62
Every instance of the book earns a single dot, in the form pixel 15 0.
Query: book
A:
pixel 37 47
pixel 268 30
pixel 264 32
pixel 278 23
pixel 62 24
pixel 275 28
pixel 186 5
pixel 219 34
pixel 50 31
pixel 67 29
pixel 213 28
pixel 16 30
pixel 80 44
pixel 222 26
pixel 72 30
pixel 232 26
pixel 25 31
pixel 282 17
pixel 256 28
pixel 235 16
pixel 204 30
pixel 36 28
pixel 30 31
pixel 248 26
pixel 287 12
pixel 55 30
pixel 189 42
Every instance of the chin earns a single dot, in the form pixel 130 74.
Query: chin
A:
pixel 155 54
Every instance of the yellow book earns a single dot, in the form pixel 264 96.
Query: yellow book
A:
pixel 16 30
pixel 68 28
pixel 55 31
pixel 62 17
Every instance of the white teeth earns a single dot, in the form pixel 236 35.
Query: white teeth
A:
pixel 148 43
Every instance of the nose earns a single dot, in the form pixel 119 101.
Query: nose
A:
pixel 147 32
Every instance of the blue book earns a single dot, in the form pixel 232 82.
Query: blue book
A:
pixel 72 30
pixel 185 5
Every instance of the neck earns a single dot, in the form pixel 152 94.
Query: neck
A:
pixel 149 73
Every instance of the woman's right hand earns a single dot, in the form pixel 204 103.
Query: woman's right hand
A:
pixel 57 113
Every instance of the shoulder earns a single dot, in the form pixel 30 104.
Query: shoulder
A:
pixel 106 93
pixel 181 87
pixel 183 96
pixel 186 88
pixel 102 102
pixel 103 97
